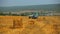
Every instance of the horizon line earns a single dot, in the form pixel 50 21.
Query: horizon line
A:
pixel 27 5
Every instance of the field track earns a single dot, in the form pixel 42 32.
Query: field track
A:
pixel 24 25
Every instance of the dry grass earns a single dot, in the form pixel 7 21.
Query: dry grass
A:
pixel 24 25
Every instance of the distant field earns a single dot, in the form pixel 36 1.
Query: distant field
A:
pixel 24 25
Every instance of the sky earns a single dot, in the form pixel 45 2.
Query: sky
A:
pixel 27 2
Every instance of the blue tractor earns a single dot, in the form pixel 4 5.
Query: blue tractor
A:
pixel 34 15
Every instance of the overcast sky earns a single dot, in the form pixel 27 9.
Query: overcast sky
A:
pixel 27 2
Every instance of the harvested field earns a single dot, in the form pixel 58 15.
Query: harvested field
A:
pixel 24 25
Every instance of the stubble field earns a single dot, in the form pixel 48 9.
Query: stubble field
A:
pixel 24 25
